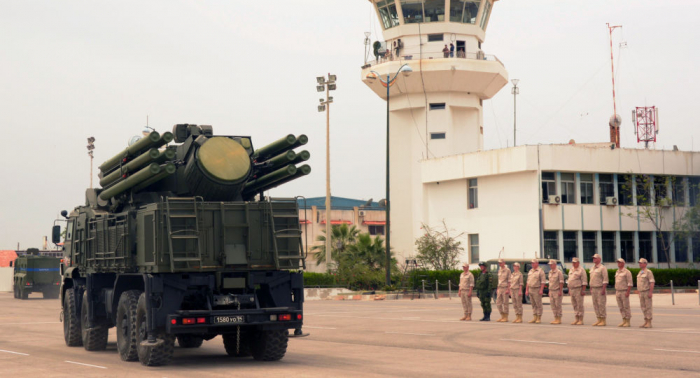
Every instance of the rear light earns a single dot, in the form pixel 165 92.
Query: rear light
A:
pixel 173 321
pixel 188 320
pixel 298 316
pixel 201 320
pixel 57 283
pixel 29 284
pixel 285 317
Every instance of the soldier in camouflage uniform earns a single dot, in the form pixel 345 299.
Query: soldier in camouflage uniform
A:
pixel 484 289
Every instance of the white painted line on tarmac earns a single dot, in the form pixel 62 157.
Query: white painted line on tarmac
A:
pixel 320 327
pixel 530 341
pixel 79 363
pixel 11 352
pixel 408 333
pixel 2 324
pixel 679 351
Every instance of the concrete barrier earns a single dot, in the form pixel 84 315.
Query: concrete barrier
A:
pixel 318 294
pixel 6 275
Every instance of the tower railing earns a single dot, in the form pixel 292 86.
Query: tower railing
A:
pixel 408 56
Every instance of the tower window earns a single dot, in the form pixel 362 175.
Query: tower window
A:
pixel 435 37
pixel 464 11
pixel 387 11
pixel 437 106
pixel 437 135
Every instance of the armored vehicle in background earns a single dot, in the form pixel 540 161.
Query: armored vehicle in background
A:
pixel 34 273
pixel 180 243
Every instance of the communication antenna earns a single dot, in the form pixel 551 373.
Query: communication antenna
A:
pixel 646 124
pixel 499 253
pixel 615 120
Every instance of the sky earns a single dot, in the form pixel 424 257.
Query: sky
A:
pixel 74 69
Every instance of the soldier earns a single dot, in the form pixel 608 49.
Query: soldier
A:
pixel 578 279
pixel 516 292
pixel 484 288
pixel 623 285
pixel 503 290
pixel 599 283
pixel 466 285
pixel 645 287
pixel 556 290
pixel 535 289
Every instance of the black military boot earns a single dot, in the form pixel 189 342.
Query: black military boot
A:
pixel 487 317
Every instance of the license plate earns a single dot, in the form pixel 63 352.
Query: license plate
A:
pixel 236 319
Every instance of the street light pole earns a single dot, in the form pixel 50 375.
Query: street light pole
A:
pixel 327 85
pixel 406 69
pixel 515 91
pixel 91 147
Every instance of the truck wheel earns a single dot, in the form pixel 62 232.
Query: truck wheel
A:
pixel 93 338
pixel 127 331
pixel 23 294
pixel 71 324
pixel 189 341
pixel 230 345
pixel 270 345
pixel 14 288
pixel 158 353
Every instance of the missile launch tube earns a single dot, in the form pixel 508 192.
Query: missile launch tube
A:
pixel 301 172
pixel 301 157
pixel 275 148
pixel 131 181
pixel 150 156
pixel 166 170
pixel 255 185
pixel 152 140
pixel 301 140
pixel 280 161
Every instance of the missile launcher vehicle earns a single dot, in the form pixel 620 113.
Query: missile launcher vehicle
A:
pixel 180 244
pixel 36 274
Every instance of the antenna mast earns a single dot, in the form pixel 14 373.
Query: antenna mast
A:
pixel 615 120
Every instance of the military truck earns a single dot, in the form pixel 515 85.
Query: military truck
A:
pixel 180 243
pixel 525 266
pixel 34 273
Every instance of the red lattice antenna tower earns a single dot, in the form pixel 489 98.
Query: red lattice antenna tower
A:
pixel 646 124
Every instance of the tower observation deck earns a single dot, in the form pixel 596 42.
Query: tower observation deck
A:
pixel 435 111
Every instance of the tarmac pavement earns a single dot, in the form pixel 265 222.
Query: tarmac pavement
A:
pixel 419 338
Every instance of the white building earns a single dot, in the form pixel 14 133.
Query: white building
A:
pixel 439 170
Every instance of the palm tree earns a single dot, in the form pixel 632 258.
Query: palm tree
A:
pixel 370 251
pixel 341 237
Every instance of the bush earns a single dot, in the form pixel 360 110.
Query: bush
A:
pixel 319 279
pixel 663 277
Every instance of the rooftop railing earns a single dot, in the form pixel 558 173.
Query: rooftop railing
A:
pixel 407 56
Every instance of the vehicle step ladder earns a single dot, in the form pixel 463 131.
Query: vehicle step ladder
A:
pixel 183 208
pixel 283 229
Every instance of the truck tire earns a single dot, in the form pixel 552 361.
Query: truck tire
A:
pixel 14 289
pixel 230 345
pixel 23 294
pixel 127 330
pixel 71 322
pixel 158 353
pixel 94 338
pixel 270 345
pixel 189 341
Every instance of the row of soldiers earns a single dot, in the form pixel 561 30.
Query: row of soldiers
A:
pixel 511 284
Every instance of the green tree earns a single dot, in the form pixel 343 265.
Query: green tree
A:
pixel 341 237
pixel 370 252
pixel 438 249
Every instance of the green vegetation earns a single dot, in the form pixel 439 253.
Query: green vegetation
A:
pixel 437 249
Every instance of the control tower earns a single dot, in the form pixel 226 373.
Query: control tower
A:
pixel 436 110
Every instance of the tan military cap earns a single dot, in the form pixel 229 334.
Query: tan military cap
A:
pixel 596 256
pixel 575 259
pixel 535 261
pixel 552 262
pixel 466 265
pixel 517 264
pixel 501 261
pixel 643 260
pixel 621 260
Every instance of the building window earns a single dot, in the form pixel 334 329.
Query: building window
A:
pixel 437 106
pixel 434 10
pixel 568 188
pixel 435 37
pixel 437 136
pixel 694 190
pixel 376 230
pixel 680 244
pixel 586 188
pixel 678 186
pixel 643 186
pixel 549 186
pixel 474 247
pixel 624 190
pixel 485 15
pixel 473 194
pixel 551 244
pixel 660 190
pixel 387 11
pixel 627 246
pixel 589 245
pixel 464 11
pixel 570 245
pixel 414 11
pixel 645 247
pixel 663 246
pixel 695 244
pixel 606 188
pixel 608 238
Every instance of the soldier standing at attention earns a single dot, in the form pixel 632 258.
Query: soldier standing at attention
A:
pixel 578 279
pixel 516 292
pixel 484 288
pixel 599 283
pixel 535 289
pixel 503 290
pixel 466 285
pixel 623 285
pixel 556 290
pixel 645 287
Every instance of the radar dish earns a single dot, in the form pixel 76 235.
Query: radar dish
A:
pixel 615 121
pixel 134 139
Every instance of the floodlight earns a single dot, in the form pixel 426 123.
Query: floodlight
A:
pixel 515 82
pixel 321 108
pixel 90 147
pixel 330 99
pixel 406 69
pixel 331 87
pixel 320 79
pixel 91 140
pixel 320 100
pixel 332 77
pixel 319 88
